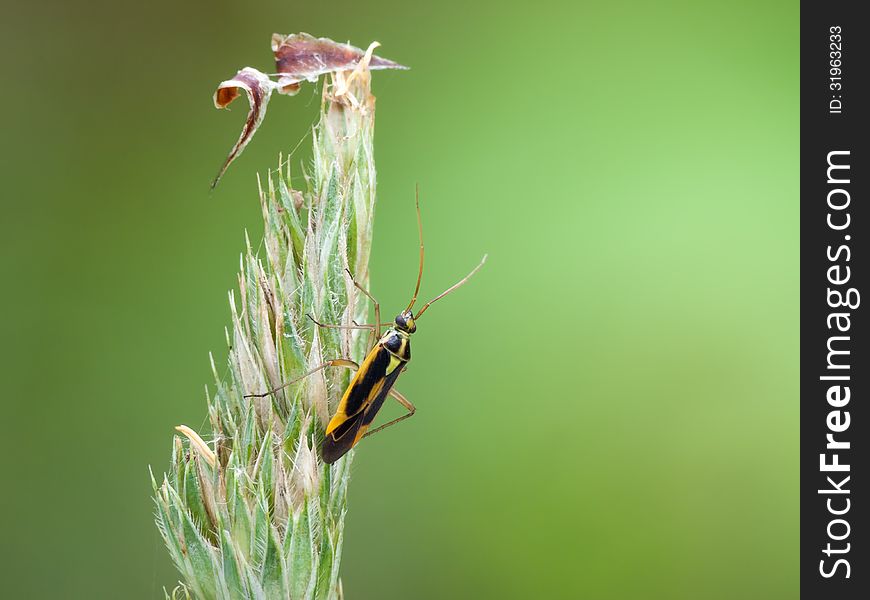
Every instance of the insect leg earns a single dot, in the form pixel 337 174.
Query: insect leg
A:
pixel 354 326
pixel 372 298
pixel 329 326
pixel 371 329
pixel 404 402
pixel 338 362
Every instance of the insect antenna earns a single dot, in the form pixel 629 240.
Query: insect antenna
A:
pixel 420 272
pixel 453 287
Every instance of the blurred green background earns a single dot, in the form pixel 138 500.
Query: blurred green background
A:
pixel 608 411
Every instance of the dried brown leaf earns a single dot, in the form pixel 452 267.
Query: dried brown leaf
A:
pixel 259 88
pixel 299 57
pixel 302 57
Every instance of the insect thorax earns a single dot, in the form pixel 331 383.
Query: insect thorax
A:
pixel 397 343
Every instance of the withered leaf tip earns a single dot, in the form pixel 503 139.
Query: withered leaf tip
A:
pixel 298 57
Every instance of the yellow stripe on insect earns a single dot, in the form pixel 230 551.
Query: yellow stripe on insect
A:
pixel 395 363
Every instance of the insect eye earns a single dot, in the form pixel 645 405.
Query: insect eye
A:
pixel 400 321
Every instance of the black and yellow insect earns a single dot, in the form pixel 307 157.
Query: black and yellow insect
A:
pixel 376 377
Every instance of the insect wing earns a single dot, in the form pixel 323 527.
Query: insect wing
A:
pixel 361 402
pixel 366 386
pixel 372 411
pixel 363 388
pixel 342 438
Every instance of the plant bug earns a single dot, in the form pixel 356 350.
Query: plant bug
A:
pixel 376 377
